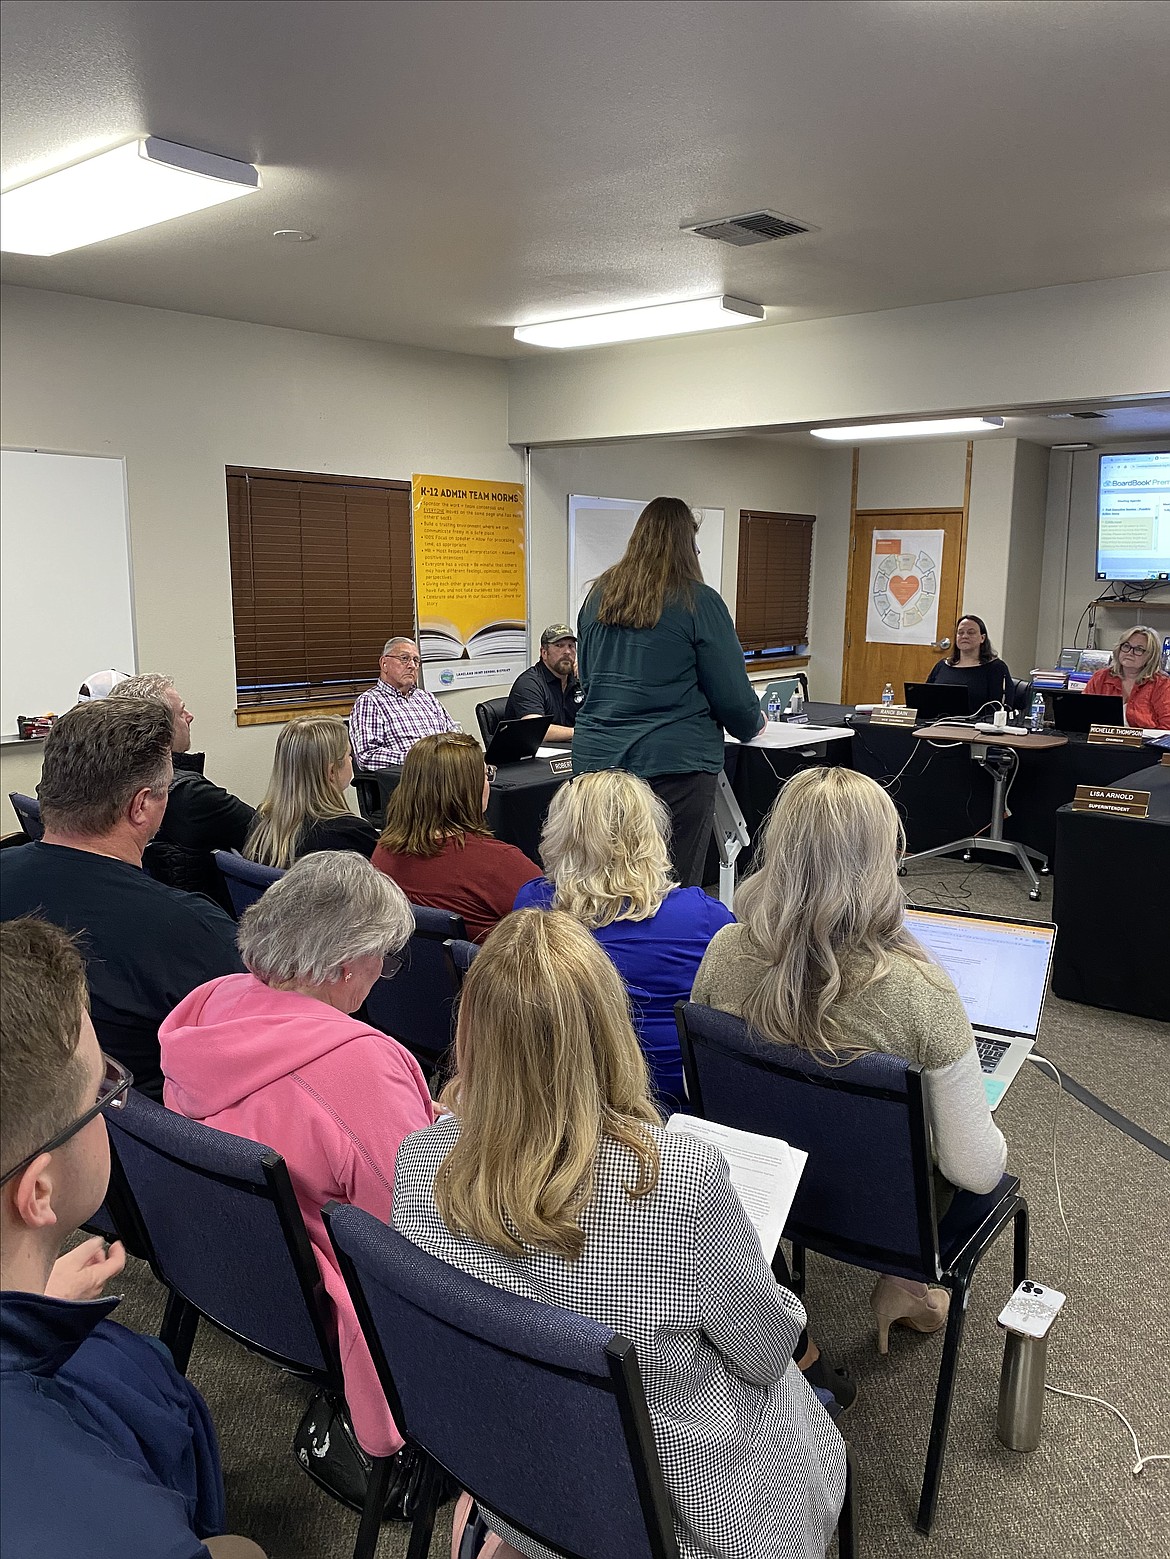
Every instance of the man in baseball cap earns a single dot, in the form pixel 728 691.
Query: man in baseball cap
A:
pixel 550 687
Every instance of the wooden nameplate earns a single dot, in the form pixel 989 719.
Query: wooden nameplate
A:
pixel 1114 736
pixel 1118 803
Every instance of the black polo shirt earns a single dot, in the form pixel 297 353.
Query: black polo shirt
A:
pixel 538 692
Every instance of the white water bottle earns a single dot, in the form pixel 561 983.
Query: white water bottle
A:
pixel 773 706
pixel 888 693
pixel 1166 654
pixel 1036 716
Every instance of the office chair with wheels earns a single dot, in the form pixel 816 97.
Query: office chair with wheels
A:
pixel 866 1196
pixel 28 815
pixel 246 880
pixel 1019 691
pixel 489 714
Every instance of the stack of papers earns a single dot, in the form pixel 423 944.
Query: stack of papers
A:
pixel 765 1172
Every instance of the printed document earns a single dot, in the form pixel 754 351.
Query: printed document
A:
pixel 765 1172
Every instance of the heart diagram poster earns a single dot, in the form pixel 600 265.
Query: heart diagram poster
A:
pixel 904 570
pixel 469 580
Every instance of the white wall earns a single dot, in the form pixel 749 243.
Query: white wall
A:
pixel 1070 557
pixel 728 474
pixel 1089 341
pixel 181 397
pixel 914 475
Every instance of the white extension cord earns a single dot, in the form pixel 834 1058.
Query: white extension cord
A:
pixel 1141 1462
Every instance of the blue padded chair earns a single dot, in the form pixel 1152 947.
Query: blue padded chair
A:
pixel 415 1006
pixel 28 814
pixel 866 1196
pixel 538 1412
pixel 223 1233
pixel 460 957
pixel 246 880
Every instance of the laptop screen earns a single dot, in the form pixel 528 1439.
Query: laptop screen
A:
pixel 1000 967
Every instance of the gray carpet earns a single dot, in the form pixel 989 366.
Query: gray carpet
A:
pixel 1074 1496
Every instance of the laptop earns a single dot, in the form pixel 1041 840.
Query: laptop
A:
pixel 516 740
pixel 1078 711
pixel 937 700
pixel 1000 969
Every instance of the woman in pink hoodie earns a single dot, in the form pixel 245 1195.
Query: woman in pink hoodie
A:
pixel 275 1055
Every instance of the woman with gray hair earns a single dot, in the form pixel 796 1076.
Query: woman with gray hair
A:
pixel 277 1056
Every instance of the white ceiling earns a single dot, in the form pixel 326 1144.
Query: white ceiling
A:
pixel 1148 420
pixel 471 166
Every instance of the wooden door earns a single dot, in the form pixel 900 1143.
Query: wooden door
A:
pixel 869 666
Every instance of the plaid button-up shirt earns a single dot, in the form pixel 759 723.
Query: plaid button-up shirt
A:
pixel 385 724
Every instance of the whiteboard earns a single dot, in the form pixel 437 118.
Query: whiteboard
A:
pixel 599 529
pixel 66 607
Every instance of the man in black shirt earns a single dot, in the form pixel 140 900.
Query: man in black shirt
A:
pixel 103 793
pixel 201 816
pixel 550 687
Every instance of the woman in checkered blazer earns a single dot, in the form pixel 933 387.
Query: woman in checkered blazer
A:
pixel 563 1186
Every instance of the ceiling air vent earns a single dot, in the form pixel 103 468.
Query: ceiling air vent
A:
pixel 1077 416
pixel 756 227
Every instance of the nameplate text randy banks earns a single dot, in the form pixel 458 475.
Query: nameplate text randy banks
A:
pixel 1115 736
pixel 1121 803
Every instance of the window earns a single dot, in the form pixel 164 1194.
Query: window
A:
pixel 321 578
pixel 771 601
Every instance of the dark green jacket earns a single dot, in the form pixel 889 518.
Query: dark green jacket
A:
pixel 657 699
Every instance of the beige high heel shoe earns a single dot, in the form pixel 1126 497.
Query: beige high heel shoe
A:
pixel 923 1312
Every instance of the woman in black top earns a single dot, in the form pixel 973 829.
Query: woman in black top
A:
pixel 304 808
pixel 973 664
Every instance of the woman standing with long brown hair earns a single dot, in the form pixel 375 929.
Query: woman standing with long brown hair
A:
pixel 663 675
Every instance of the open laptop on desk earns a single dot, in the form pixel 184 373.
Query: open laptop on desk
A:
pixel 1078 711
pixel 515 740
pixel 937 700
pixel 1000 969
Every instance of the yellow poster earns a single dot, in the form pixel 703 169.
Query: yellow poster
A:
pixel 469 579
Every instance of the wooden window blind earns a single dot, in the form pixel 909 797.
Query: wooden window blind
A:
pixel 321 578
pixel 772 590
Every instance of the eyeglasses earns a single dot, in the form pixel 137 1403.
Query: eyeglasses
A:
pixel 1131 649
pixel 112 1090
pixel 391 964
pixel 489 770
pixel 407 660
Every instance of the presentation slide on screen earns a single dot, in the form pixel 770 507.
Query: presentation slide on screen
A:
pixel 1133 517
pixel 999 969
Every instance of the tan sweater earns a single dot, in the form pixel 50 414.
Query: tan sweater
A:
pixel 914 1012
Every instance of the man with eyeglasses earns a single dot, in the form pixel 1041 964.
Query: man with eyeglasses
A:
pixel 395 713
pixel 105 1449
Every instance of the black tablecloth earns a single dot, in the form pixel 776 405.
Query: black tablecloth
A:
pixel 944 794
pixel 1111 904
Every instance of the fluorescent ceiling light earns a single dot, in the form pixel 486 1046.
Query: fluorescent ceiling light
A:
pixel 659 319
pixel 933 429
pixel 133 186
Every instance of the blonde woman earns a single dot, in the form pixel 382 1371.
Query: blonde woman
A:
pixel 605 847
pixel 821 959
pixel 554 1179
pixel 1135 675
pixel 663 675
pixel 437 846
pixel 304 808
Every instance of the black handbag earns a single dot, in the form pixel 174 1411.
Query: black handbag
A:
pixel 327 1448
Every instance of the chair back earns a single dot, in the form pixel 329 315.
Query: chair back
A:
pixel 1019 691
pixel 416 1005
pixel 538 1412
pixel 223 1231
pixel 460 956
pixel 867 1192
pixel 28 814
pixel 489 714
pixel 246 880
pixel 785 687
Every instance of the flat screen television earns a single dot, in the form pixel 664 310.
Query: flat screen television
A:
pixel 1133 516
